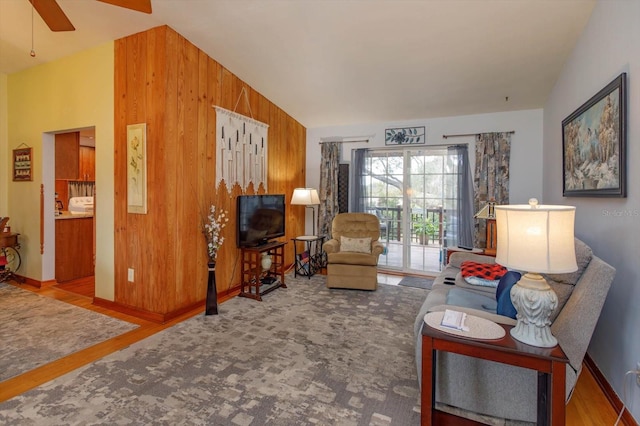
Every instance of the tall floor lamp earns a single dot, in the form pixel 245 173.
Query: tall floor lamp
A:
pixel 307 197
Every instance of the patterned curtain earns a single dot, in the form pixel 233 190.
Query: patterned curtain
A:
pixel 328 192
pixel 81 189
pixel 491 178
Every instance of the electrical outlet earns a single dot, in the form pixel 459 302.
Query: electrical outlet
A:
pixel 638 374
pixel 130 275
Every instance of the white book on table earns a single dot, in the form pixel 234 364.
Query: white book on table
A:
pixel 454 319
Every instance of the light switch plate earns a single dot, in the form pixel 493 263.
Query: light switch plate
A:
pixel 130 275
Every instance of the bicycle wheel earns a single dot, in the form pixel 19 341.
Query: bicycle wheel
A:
pixel 13 259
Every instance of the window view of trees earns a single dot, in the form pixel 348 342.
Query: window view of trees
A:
pixel 413 192
pixel 428 180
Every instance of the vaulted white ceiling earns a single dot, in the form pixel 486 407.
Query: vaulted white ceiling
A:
pixel 334 62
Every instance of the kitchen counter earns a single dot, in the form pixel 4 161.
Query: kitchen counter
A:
pixel 67 215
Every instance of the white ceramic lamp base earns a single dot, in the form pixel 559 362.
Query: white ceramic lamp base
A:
pixel 534 301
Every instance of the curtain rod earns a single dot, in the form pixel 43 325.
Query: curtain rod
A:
pixel 353 141
pixel 347 139
pixel 414 146
pixel 472 134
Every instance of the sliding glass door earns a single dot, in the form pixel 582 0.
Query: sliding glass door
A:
pixel 414 193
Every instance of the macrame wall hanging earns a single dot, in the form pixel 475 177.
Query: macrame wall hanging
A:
pixel 241 147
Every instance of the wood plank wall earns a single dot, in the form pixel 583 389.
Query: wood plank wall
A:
pixel 163 80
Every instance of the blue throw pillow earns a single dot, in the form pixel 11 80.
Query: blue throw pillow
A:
pixel 503 294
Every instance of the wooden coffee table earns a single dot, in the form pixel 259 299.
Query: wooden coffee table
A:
pixel 549 362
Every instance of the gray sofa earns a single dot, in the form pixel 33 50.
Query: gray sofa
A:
pixel 500 394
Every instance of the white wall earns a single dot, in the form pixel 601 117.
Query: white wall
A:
pixel 526 145
pixel 608 46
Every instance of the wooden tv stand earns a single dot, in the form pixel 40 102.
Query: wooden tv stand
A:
pixel 256 281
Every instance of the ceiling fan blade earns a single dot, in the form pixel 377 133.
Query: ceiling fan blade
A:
pixel 139 5
pixel 52 15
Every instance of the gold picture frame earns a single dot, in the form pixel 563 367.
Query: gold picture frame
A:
pixel 22 164
pixel 137 168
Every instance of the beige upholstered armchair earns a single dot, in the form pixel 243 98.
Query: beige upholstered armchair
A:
pixel 353 251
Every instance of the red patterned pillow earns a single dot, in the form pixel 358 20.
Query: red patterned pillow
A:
pixel 484 274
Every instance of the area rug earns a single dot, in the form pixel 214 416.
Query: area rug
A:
pixel 417 282
pixel 35 330
pixel 305 355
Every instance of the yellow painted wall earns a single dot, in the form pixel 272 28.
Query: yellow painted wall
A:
pixel 4 148
pixel 71 93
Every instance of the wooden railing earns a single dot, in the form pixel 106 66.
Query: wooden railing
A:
pixel 390 220
pixel 428 226
pixel 391 223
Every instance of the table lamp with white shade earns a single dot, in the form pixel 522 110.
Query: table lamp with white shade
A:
pixel 488 212
pixel 307 197
pixel 535 239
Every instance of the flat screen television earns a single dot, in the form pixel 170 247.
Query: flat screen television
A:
pixel 260 218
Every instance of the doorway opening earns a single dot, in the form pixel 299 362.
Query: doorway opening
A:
pixel 75 231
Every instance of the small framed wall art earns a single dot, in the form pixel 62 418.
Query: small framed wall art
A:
pixel 22 164
pixel 594 145
pixel 405 136
pixel 137 168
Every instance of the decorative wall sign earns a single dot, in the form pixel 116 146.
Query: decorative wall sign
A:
pixel 405 136
pixel 241 150
pixel 594 145
pixel 22 164
pixel 137 168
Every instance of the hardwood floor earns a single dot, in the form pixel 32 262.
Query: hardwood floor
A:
pixel 588 406
pixel 83 286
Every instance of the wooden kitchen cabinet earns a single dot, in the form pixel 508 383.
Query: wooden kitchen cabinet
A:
pixel 67 155
pixel 87 164
pixel 73 161
pixel 74 248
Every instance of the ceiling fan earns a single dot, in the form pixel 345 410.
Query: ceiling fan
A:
pixel 55 18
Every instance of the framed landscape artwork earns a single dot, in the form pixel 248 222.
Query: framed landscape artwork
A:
pixel 594 145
